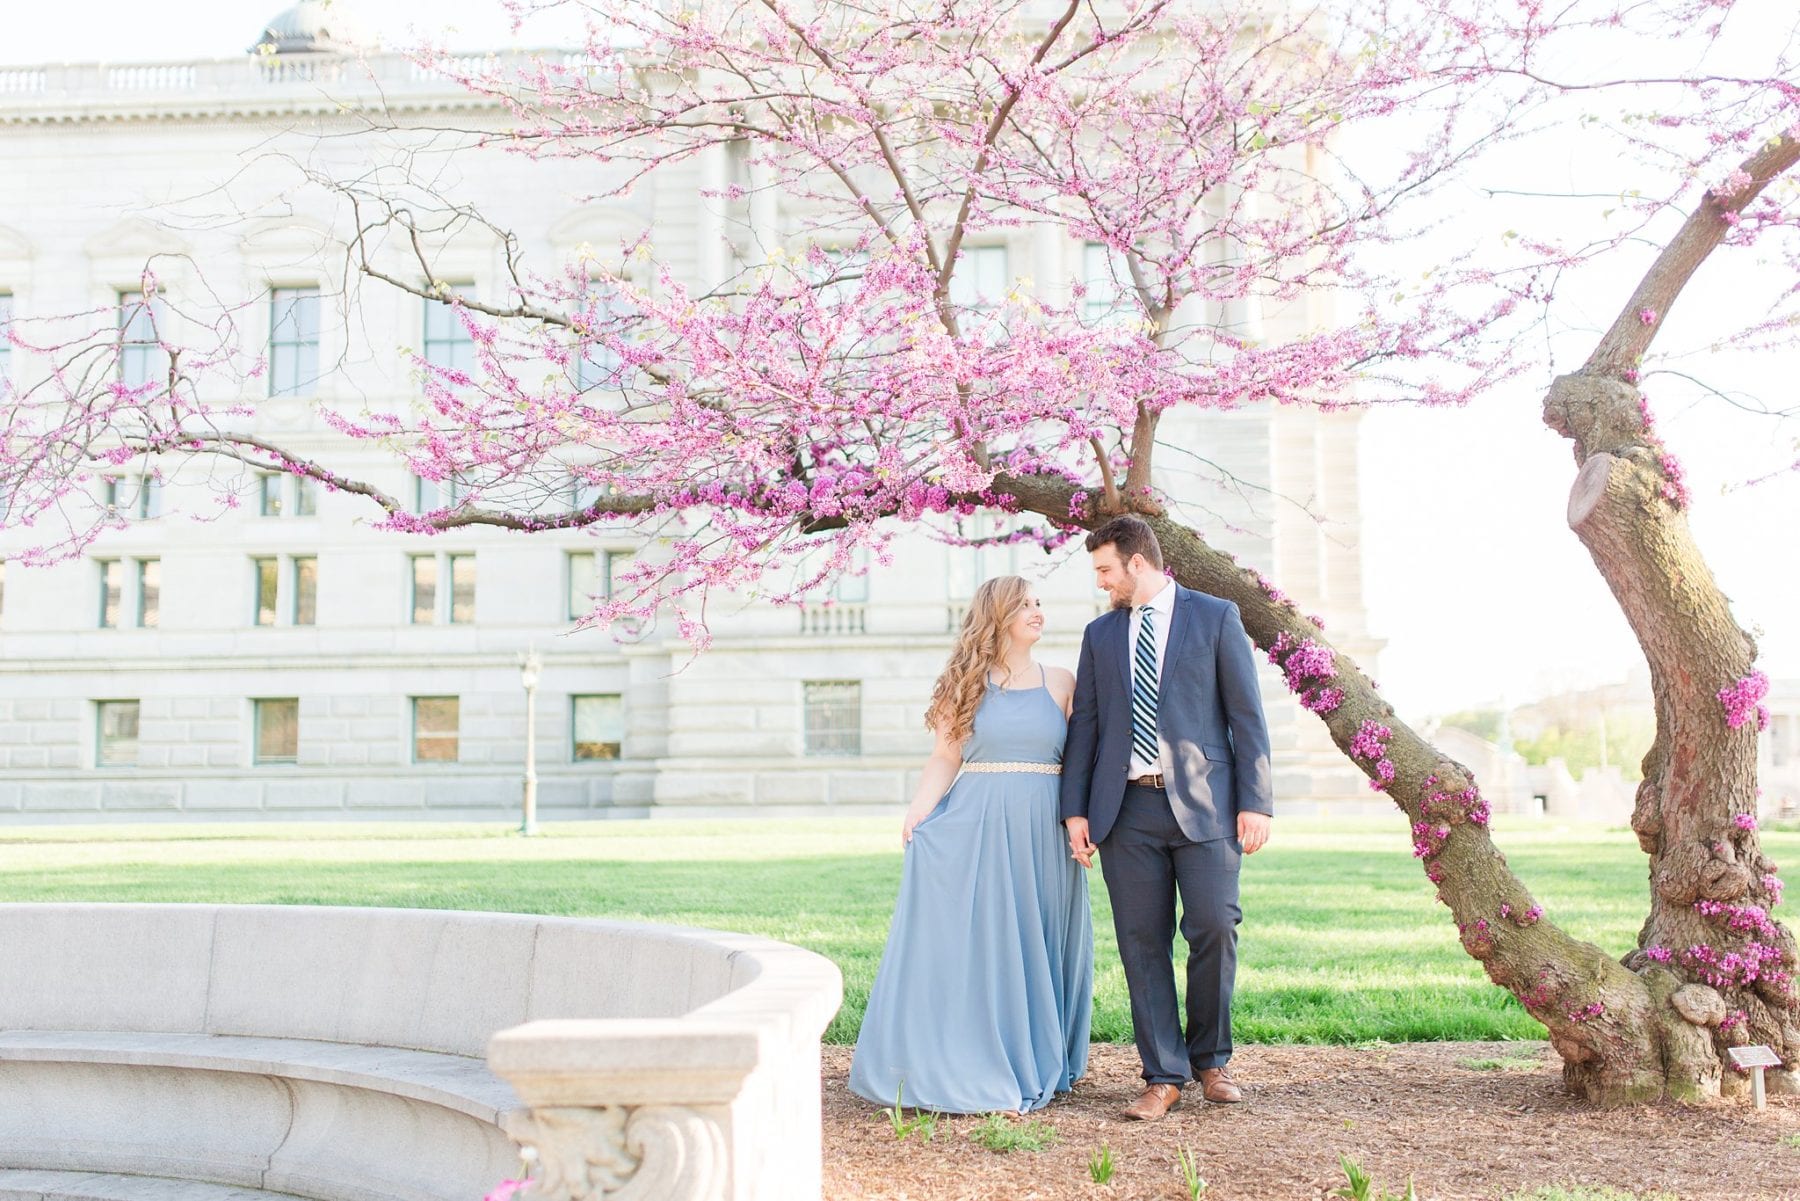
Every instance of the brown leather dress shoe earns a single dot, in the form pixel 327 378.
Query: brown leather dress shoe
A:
pixel 1157 1100
pixel 1217 1086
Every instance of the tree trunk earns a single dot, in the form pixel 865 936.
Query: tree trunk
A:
pixel 1611 1025
pixel 1720 968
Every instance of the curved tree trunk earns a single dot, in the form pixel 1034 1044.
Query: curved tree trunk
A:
pixel 1607 1022
pixel 1712 969
pixel 1709 930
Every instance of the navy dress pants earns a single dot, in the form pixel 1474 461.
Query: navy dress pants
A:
pixel 1146 861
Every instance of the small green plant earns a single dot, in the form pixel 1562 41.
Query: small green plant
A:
pixel 1190 1173
pixel 1101 1165
pixel 1360 1186
pixel 999 1135
pixel 923 1122
pixel 1792 1140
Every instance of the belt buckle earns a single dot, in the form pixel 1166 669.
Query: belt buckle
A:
pixel 1153 780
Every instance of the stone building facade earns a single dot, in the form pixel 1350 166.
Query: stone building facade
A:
pixel 271 657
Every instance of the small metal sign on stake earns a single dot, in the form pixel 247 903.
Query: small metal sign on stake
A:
pixel 1756 1059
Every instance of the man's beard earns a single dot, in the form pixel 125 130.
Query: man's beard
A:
pixel 1130 586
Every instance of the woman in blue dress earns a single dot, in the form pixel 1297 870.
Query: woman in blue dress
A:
pixel 984 993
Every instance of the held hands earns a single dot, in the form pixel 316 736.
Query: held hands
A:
pixel 1253 831
pixel 1080 846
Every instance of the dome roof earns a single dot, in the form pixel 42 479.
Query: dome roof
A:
pixel 309 27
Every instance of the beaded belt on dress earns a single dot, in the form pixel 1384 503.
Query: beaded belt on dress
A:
pixel 1042 769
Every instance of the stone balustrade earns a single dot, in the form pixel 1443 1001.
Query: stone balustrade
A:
pixel 226 1052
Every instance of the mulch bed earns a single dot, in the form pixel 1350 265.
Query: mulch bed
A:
pixel 1408 1109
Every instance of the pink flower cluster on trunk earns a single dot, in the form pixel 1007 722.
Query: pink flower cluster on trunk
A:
pixel 1307 666
pixel 1370 744
pixel 1743 701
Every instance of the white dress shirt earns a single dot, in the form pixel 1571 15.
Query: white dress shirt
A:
pixel 1163 606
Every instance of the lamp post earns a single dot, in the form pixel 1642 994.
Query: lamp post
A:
pixel 531 669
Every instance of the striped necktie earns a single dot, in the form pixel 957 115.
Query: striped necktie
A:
pixel 1143 688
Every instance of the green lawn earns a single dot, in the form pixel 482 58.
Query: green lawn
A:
pixel 1341 939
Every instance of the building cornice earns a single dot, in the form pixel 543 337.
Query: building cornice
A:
pixel 255 86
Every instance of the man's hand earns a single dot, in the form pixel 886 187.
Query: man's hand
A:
pixel 1253 831
pixel 1081 847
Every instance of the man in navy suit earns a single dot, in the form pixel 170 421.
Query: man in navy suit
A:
pixel 1166 772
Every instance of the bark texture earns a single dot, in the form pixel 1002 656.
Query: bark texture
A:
pixel 1716 964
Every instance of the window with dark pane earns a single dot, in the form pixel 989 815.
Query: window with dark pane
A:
pixel 293 341
pixel 833 717
pixel 116 742
pixel 435 725
pixel 149 592
pixel 462 589
pixel 599 726
pixel 424 589
pixel 266 576
pixel 278 730
pixel 306 590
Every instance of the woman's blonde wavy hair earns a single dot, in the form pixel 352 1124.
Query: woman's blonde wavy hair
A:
pixel 980 645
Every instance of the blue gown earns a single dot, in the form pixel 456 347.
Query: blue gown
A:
pixel 985 991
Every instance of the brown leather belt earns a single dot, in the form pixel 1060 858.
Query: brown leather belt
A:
pixel 1151 781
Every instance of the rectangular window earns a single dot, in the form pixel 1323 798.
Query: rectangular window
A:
pixel 149 592
pixel 584 579
pixel 293 341
pixel 117 727
pixel 428 497
pixel 599 726
pixel 1104 275
pixel 980 281
pixel 598 363
pixel 462 589
pixel 618 562
pixel 833 717
pixel 306 591
pixel 853 588
pixel 447 341
pixel 585 494
pixel 266 575
pixel 112 592
pixel 110 491
pixel 277 731
pixel 435 720
pixel 424 589
pixel 273 503
pixel 148 501
pixel 306 496
pixel 141 357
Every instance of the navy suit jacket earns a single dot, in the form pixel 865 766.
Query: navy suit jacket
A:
pixel 1209 720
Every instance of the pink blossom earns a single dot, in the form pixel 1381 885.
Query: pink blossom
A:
pixel 1743 701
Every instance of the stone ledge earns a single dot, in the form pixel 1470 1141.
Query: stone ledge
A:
pixel 35 1185
pixel 450 1082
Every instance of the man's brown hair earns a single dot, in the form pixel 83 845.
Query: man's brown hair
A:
pixel 1132 536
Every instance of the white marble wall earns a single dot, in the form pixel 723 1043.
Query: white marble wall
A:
pixel 101 178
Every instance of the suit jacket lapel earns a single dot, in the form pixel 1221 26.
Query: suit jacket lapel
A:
pixel 1121 644
pixel 1180 624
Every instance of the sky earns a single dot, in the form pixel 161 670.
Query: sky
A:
pixel 1481 591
